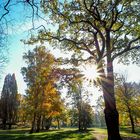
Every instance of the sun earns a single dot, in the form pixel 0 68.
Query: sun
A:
pixel 90 73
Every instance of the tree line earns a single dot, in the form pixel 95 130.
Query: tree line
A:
pixel 42 102
pixel 42 107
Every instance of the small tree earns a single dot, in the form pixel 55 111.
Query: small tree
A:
pixel 127 99
pixel 99 116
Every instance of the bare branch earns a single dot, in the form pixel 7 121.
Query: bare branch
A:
pixel 5 8
pixel 33 10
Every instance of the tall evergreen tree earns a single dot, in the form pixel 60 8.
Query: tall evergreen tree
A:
pixel 9 103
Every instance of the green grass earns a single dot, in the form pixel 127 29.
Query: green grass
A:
pixel 63 134
pixel 124 131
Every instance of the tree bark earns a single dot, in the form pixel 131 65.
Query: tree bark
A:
pixel 112 122
pixel 111 113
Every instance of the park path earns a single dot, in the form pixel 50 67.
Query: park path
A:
pixel 100 136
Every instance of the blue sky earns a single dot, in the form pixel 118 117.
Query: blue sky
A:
pixel 16 49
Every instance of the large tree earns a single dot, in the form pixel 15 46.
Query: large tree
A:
pixel 9 101
pixel 104 31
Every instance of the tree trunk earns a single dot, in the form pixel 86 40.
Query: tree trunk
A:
pixel 132 124
pixel 79 120
pixel 131 120
pixel 112 122
pixel 79 124
pixel 58 123
pixel 42 122
pixel 33 124
pixel 85 124
pixel 71 122
pixel 136 120
pixel 4 123
pixel 111 113
pixel 48 122
pixel 38 124
pixel 10 126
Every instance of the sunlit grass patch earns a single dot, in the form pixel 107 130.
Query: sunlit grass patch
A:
pixel 124 131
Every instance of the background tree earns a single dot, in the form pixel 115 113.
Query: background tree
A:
pixel 60 115
pixel 127 99
pixel 23 114
pixel 9 101
pixel 42 96
pixel 82 112
pixel 104 30
pixel 99 119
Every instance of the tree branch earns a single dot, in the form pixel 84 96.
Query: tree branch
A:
pixel 128 48
pixel 5 8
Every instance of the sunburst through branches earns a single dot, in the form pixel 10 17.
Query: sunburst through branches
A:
pixel 90 73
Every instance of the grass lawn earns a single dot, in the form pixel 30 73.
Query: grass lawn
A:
pixel 66 134
pixel 63 134
pixel 125 133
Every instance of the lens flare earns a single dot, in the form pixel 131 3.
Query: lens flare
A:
pixel 90 73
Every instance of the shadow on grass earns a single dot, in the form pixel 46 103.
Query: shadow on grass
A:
pixel 50 135
pixel 129 129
